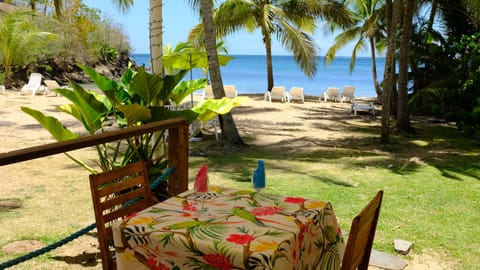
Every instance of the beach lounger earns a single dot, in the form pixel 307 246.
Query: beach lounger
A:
pixel 296 94
pixel 207 92
pixel 34 85
pixel 348 94
pixel 332 93
pixel 356 107
pixel 277 93
pixel 52 85
pixel 230 91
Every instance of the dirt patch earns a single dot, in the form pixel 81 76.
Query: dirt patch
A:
pixel 24 246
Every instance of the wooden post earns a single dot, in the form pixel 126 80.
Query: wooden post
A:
pixel 178 158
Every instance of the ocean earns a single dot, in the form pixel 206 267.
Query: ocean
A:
pixel 249 74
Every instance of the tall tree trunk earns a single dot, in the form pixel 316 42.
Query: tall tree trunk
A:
pixel 156 42
pixel 268 52
pixel 403 117
pixel 378 89
pixel 431 19
pixel 392 15
pixel 227 125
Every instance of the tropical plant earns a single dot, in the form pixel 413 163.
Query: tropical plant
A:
pixel 137 99
pixel 185 56
pixel 368 27
pixel 291 21
pixel 461 101
pixel 19 40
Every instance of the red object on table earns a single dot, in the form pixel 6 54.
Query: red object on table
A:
pixel 201 181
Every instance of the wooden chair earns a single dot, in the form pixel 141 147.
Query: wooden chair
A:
pixel 110 193
pixel 360 239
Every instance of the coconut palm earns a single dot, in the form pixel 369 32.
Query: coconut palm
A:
pixel 19 40
pixel 291 21
pixel 368 28
pixel 227 124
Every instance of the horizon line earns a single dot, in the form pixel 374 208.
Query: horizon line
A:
pixel 280 55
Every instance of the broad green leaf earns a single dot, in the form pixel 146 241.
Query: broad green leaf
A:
pixel 170 82
pixel 72 110
pixel 185 88
pixel 104 83
pixel 208 109
pixel 135 113
pixel 162 113
pixel 108 86
pixel 147 86
pixel 92 110
pixel 55 127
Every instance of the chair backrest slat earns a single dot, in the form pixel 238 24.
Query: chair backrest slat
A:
pixel 116 194
pixel 361 235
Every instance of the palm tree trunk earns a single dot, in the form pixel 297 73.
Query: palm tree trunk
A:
pixel 227 125
pixel 403 117
pixel 431 19
pixel 156 46
pixel 392 15
pixel 268 52
pixel 378 89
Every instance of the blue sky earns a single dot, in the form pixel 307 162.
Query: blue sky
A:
pixel 178 19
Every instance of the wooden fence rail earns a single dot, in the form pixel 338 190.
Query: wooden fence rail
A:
pixel 177 148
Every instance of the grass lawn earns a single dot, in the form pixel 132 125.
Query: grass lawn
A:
pixel 431 182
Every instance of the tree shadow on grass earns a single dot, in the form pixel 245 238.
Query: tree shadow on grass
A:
pixel 441 146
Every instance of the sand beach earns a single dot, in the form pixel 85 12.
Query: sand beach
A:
pixel 310 126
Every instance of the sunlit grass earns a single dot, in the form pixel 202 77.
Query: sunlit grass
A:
pixel 431 188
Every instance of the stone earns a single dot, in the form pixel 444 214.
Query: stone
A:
pixel 402 246
pixel 386 261
pixel 9 204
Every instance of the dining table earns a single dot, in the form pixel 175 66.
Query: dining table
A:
pixel 228 228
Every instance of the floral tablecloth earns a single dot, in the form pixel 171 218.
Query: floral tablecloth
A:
pixel 230 229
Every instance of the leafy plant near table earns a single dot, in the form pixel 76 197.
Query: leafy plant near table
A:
pixel 138 98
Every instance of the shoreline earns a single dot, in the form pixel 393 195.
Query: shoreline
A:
pixel 197 93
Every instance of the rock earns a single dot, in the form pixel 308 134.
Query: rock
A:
pixel 402 246
pixel 9 204
pixel 386 261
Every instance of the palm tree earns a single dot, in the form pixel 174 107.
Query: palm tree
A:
pixel 227 124
pixel 403 116
pixel 291 21
pixel 368 16
pixel 392 14
pixel 19 40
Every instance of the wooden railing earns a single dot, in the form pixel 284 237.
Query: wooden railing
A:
pixel 177 148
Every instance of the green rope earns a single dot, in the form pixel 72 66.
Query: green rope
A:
pixel 48 248
pixel 76 234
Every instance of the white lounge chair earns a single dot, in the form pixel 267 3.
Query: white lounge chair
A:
pixel 277 93
pixel 332 93
pixel 34 85
pixel 369 108
pixel 52 85
pixel 296 94
pixel 348 94
pixel 207 92
pixel 230 91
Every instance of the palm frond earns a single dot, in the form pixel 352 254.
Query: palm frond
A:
pixel 302 45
